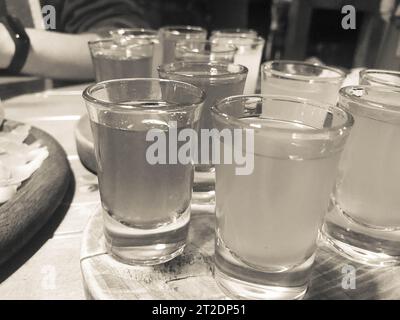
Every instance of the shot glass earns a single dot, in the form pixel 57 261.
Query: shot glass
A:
pixel 249 53
pixel 363 222
pixel 171 34
pixel 132 35
pixel 113 60
pixel 218 81
pixel 382 78
pixel 146 202
pixel 204 51
pixel 301 79
pixel 268 219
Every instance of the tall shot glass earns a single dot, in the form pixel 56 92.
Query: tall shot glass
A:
pixel 171 34
pixel 113 60
pixel 218 81
pixel 301 79
pixel 127 36
pixel 146 202
pixel 363 222
pixel 269 218
pixel 249 53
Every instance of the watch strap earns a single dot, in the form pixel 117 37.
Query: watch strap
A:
pixel 21 41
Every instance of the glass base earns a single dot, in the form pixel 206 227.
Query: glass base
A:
pixel 242 281
pixel 145 255
pixel 358 242
pixel 144 247
pixel 237 289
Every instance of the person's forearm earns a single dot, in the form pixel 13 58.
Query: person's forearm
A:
pixel 56 55
pixel 7 47
pixel 59 56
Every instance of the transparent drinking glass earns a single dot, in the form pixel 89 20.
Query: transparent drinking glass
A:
pixel 249 53
pixel 218 81
pixel 132 35
pixel 146 202
pixel 171 34
pixel 300 79
pixel 204 51
pixel 383 78
pixel 364 218
pixel 112 60
pixel 269 218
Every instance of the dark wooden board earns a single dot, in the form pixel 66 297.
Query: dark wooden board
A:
pixel 37 198
pixel 190 275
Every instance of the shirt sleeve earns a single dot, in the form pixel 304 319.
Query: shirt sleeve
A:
pixel 79 16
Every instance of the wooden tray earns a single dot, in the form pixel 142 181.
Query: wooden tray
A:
pixel 38 197
pixel 189 276
pixel 84 143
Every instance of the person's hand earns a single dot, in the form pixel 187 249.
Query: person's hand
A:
pixel 7 47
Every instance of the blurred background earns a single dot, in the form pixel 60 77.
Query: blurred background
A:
pixel 293 29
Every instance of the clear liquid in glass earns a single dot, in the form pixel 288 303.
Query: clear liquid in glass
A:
pixel 143 203
pixel 110 66
pixel 268 222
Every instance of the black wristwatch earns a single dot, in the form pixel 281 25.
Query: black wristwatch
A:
pixel 21 41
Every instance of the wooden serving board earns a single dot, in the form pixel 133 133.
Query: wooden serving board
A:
pixel 37 198
pixel 84 143
pixel 189 276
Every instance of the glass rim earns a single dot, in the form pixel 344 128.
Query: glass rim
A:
pixel 179 29
pixel 180 43
pixel 235 31
pixel 266 67
pixel 134 107
pixel 170 68
pixel 348 123
pixel 111 41
pixel 348 92
pixel 121 31
pixel 258 40
pixel 368 74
